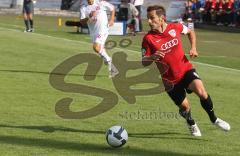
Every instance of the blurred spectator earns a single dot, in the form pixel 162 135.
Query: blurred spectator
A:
pixel 207 16
pixel 238 14
pixel 188 9
pixel 128 12
pixel 219 12
pixel 229 12
pixel 138 4
pixel 236 18
pixel 201 10
pixel 196 10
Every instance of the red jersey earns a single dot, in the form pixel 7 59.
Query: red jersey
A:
pixel 168 42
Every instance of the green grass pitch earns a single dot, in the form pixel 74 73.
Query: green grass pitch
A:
pixel 29 124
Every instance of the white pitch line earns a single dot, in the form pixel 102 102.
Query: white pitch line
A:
pixel 17 26
pixel 14 30
pixel 205 64
pixel 221 56
pixel 215 66
pixel 210 41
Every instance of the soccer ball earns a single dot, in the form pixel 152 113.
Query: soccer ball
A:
pixel 116 136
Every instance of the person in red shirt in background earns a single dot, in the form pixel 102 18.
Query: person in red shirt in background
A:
pixel 224 8
pixel 162 45
pixel 237 10
pixel 229 12
pixel 218 12
pixel 207 11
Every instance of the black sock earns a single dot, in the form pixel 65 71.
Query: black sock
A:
pixel 208 107
pixel 187 115
pixel 26 24
pixel 31 23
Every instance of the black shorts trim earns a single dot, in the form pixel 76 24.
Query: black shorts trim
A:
pixel 178 92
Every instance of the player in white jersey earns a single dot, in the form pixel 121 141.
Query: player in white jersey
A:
pixel 95 15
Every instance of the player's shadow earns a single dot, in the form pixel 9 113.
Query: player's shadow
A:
pixel 100 148
pixel 80 146
pixel 160 135
pixel 75 32
pixel 166 135
pixel 51 129
pixel 47 73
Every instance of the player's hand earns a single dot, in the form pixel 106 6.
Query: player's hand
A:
pixel 193 53
pixel 110 23
pixel 93 17
pixel 93 14
pixel 158 55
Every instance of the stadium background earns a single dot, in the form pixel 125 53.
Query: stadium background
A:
pixel 175 9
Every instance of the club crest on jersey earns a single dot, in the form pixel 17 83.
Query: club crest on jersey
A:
pixel 172 32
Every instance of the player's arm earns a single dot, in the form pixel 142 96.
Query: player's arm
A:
pixel 147 56
pixel 112 17
pixel 84 21
pixel 83 16
pixel 148 60
pixel 90 17
pixel 112 10
pixel 192 39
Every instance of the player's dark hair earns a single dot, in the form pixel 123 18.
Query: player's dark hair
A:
pixel 160 10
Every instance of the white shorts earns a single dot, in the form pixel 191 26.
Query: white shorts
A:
pixel 100 38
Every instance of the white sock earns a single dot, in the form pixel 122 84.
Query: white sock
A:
pixel 104 55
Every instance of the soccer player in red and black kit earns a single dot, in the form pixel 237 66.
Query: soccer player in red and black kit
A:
pixel 162 44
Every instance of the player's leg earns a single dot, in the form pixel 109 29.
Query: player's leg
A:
pixel 198 88
pixel 107 60
pixel 185 112
pixel 30 17
pixel 98 47
pixel 178 95
pixel 26 22
pixel 113 71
